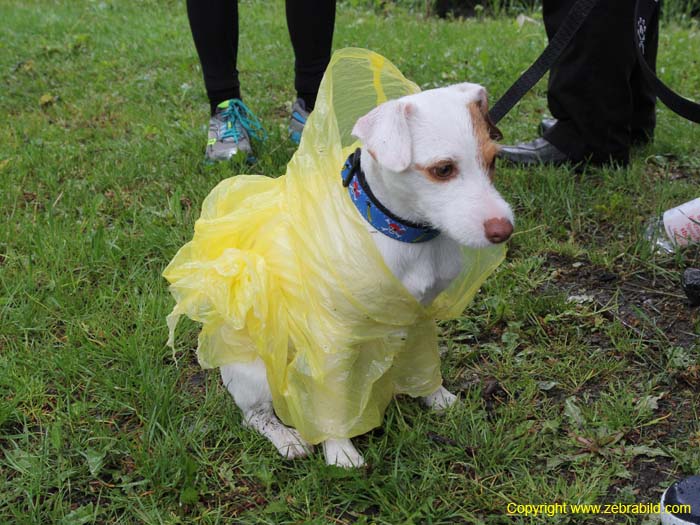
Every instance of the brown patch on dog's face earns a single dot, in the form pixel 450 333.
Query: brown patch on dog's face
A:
pixel 486 133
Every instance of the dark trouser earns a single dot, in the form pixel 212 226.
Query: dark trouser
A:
pixel 596 89
pixel 214 25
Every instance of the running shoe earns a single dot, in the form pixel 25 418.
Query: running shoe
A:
pixel 297 120
pixel 230 131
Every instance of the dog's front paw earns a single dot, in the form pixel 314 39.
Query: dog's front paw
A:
pixel 286 440
pixel 291 445
pixel 440 399
pixel 342 453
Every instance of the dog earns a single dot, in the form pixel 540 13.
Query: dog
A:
pixel 429 159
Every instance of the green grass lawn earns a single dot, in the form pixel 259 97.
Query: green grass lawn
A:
pixel 577 364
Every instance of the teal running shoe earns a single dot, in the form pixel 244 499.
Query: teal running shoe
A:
pixel 297 120
pixel 230 131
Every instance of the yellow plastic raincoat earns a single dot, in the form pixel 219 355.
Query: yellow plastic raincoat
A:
pixel 284 269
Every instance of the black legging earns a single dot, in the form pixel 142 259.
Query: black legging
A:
pixel 214 25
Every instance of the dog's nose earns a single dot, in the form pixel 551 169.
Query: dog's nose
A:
pixel 498 230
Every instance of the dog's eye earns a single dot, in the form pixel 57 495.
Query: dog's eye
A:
pixel 443 171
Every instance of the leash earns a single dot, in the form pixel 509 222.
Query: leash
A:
pixel 644 12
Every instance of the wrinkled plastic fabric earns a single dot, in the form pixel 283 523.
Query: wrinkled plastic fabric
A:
pixel 285 270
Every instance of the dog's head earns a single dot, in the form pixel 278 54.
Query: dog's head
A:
pixel 435 155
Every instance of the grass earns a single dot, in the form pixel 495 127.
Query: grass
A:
pixel 577 364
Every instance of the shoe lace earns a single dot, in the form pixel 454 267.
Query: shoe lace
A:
pixel 237 116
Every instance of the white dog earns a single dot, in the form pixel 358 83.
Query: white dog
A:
pixel 428 159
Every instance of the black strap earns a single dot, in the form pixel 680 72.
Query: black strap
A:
pixel 536 71
pixel 644 12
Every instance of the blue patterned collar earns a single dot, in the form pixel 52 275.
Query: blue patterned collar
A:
pixel 373 211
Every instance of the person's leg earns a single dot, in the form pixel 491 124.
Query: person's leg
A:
pixel 214 25
pixel 590 89
pixel 310 25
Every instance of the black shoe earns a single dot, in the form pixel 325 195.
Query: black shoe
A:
pixel 639 138
pixel 537 152
pixel 684 492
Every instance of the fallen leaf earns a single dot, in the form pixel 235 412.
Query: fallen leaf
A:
pixel 27 66
pixel 580 299
pixel 80 515
pixel 95 460
pixel 643 450
pixel 573 412
pixel 47 99
pixel 620 471
pixel 649 403
pixel 587 443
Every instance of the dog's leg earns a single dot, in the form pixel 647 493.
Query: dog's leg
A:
pixel 248 385
pixel 342 453
pixel 440 399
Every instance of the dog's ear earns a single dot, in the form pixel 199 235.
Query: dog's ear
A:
pixel 385 133
pixel 483 105
pixel 468 87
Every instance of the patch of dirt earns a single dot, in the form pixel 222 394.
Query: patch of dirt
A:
pixel 193 381
pixel 649 477
pixel 670 167
pixel 652 306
